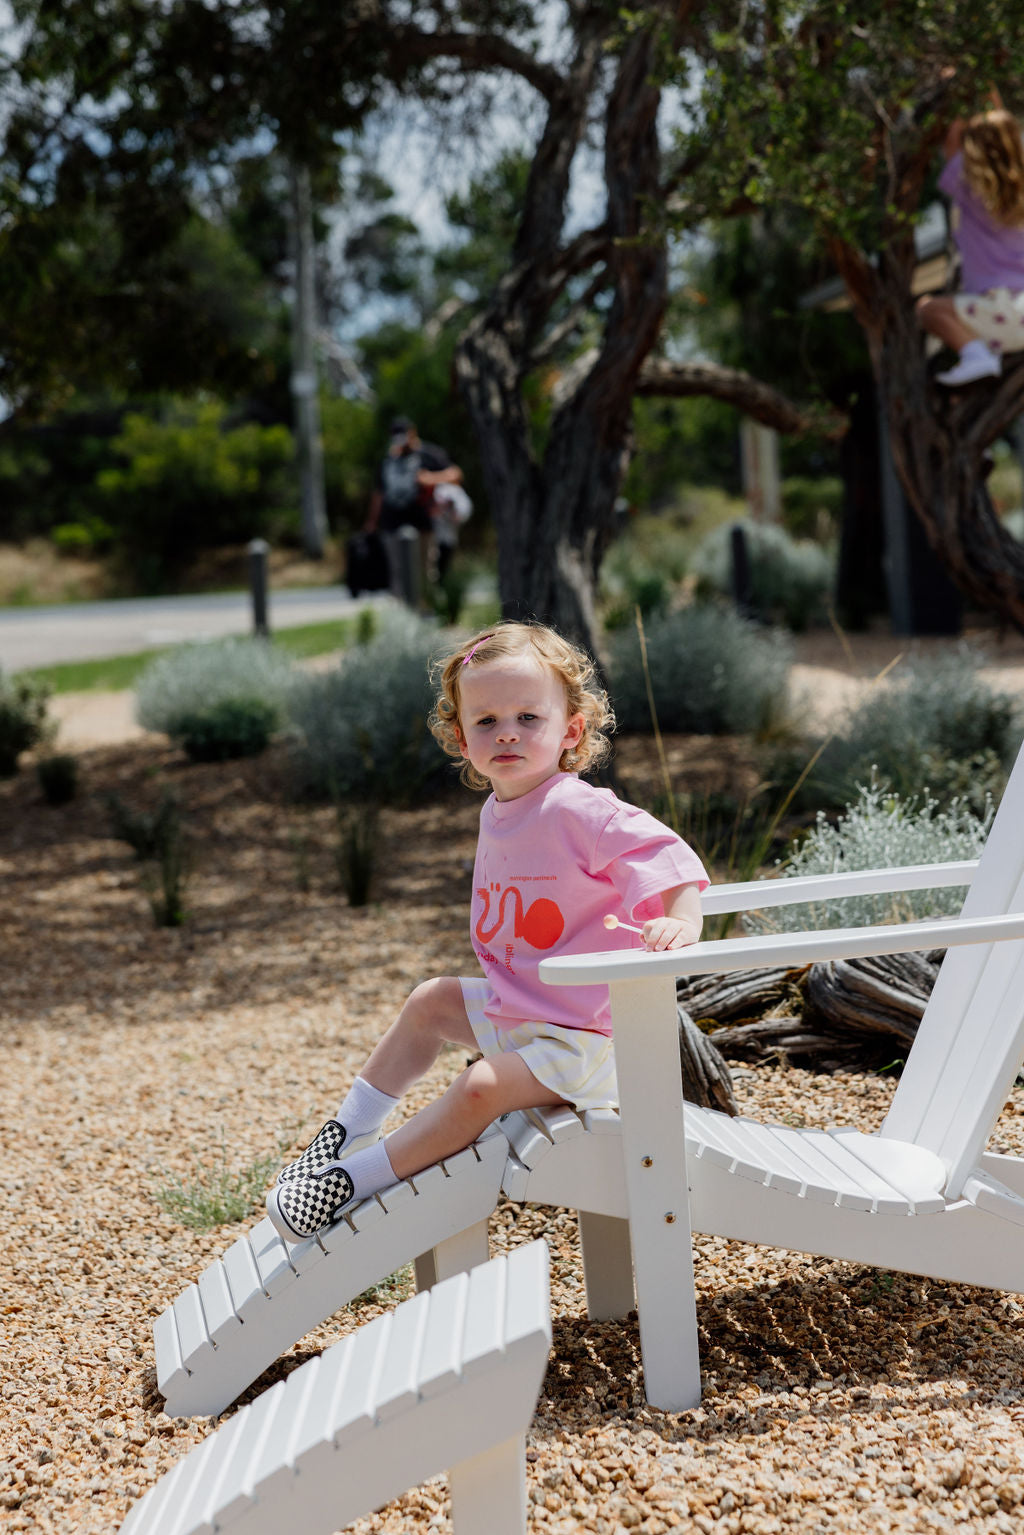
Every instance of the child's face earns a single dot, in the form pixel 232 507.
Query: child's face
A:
pixel 514 723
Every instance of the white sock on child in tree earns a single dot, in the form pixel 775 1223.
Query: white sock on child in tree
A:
pixel 364 1108
pixel 370 1170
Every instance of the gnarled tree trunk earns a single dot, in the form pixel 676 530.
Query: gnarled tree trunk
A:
pixel 940 437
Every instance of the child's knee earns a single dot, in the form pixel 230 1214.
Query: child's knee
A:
pixel 479 1090
pixel 429 1004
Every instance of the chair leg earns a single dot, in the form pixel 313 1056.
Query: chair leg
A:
pixel 489 1491
pixel 607 1266
pixel 454 1255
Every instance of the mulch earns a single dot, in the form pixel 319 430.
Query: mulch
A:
pixel 836 1396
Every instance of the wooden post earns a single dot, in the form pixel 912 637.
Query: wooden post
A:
pixel 654 1153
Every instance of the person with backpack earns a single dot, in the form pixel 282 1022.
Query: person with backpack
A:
pixel 407 477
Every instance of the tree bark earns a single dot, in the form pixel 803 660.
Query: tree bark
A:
pixel 554 512
pixel 940 437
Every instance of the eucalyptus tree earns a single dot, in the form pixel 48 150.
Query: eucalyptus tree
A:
pixel 841 109
pixel 138 110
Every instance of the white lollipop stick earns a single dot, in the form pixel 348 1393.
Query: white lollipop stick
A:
pixel 611 921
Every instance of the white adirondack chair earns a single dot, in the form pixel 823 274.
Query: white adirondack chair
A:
pixel 449 1380
pixel 639 1179
pixel 841 1194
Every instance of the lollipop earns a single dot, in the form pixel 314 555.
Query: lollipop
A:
pixel 611 921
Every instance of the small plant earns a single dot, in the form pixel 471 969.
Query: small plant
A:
pixel 217 1193
pixel 710 673
pixel 879 831
pixel 388 1292
pixel 231 727
pixel 356 852
pixel 366 626
pixel 58 778
pixel 160 843
pixel 362 726
pixel 220 700
pixel 936 725
pixel 23 721
pixel 145 831
pixel 790 580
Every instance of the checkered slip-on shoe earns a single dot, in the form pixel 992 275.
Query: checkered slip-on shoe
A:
pixel 332 1144
pixel 306 1205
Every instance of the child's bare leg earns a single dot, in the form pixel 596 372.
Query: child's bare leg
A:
pixel 484 1091
pixel 938 314
pixel 433 1015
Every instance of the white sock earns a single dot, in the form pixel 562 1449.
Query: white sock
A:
pixel 976 348
pixel 370 1170
pixel 364 1108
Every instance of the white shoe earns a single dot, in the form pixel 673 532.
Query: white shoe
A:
pixel 976 361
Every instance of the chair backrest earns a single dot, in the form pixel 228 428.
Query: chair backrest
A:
pixel 970 1042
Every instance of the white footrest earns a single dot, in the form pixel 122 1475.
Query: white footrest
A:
pixel 262 1296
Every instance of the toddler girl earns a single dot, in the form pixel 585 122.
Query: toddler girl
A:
pixel 984 177
pixel 523 708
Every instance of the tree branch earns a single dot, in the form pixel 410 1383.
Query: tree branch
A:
pixel 750 395
pixel 479 50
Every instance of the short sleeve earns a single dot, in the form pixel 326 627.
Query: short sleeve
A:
pixel 642 859
pixel 951 182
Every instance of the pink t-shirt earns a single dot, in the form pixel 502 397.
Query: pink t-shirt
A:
pixel 549 867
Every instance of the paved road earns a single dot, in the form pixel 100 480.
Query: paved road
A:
pixel 88 631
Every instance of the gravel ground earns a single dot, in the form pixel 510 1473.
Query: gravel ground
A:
pixel 836 1397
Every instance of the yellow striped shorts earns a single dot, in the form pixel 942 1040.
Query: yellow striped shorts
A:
pixel 577 1064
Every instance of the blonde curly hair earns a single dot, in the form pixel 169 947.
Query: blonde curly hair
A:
pixel 994 165
pixel 571 665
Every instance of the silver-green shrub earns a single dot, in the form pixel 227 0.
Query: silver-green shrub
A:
pixel 362 726
pixel 790 579
pixel 219 699
pixel 879 831
pixel 935 727
pixel 712 673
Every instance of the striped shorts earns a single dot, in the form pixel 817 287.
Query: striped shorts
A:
pixel 577 1064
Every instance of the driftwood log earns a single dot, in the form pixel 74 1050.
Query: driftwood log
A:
pixel 860 1012
pixel 706 1078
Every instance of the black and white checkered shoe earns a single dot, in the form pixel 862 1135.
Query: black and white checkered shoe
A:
pixel 305 1205
pixel 332 1144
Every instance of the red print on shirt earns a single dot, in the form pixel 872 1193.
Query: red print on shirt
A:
pixel 541 924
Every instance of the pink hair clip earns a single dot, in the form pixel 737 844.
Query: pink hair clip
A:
pixel 467 658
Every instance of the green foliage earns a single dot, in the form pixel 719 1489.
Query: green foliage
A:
pixel 231 727
pixel 160 843
pixel 23 719
pixel 92 536
pixel 812 507
pixel 147 832
pixel 936 726
pixel 220 700
pixel 351 444
pixel 681 442
pixel 790 581
pixel 879 830
pixel 362 727
pixel 189 481
pixel 218 1193
pixel 356 852
pixel 58 778
pixel 711 673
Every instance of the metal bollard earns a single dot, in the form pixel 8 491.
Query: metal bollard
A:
pixel 742 588
pixel 258 551
pixel 407 551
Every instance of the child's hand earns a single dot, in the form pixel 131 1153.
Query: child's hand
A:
pixel 670 933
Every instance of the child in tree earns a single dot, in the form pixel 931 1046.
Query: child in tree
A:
pixel 524 709
pixel 984 178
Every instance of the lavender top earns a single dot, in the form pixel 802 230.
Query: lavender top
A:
pixel 991 254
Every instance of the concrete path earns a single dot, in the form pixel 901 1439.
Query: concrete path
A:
pixel 90 631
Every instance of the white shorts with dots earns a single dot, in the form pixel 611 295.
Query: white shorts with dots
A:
pixel 577 1064
pixel 996 316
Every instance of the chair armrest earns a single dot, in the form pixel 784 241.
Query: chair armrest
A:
pixel 758 894
pixel 780 949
